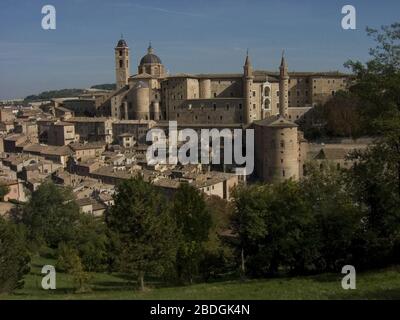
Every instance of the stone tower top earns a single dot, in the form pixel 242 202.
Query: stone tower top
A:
pixel 247 62
pixel 283 67
pixel 121 43
pixel 247 68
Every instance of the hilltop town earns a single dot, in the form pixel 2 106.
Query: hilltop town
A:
pixel 92 141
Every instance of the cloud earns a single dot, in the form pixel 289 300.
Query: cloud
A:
pixel 163 10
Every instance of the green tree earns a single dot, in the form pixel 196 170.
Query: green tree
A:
pixel 375 175
pixel 218 257
pixel 275 228
pixel 144 228
pixel 193 221
pixel 64 254
pixel 70 261
pixel 337 216
pixel 50 215
pixel 250 225
pixel 14 256
pixel 375 179
pixel 91 241
pixel 377 83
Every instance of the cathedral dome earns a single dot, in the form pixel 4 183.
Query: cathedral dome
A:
pixel 150 57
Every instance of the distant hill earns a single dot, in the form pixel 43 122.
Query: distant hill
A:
pixel 105 86
pixel 47 95
pixel 65 93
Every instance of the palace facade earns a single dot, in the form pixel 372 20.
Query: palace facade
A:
pixel 242 98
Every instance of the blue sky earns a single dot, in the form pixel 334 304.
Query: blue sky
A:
pixel 189 36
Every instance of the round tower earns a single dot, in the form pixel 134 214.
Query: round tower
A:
pixel 205 88
pixel 283 88
pixel 247 86
pixel 121 64
pixel 141 101
pixel 277 152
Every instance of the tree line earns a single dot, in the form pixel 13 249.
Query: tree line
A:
pixel 143 234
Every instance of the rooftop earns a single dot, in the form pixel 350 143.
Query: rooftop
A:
pixel 276 121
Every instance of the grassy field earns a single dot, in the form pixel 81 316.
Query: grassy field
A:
pixel 380 284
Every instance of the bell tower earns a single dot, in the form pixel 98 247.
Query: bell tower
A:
pixel 283 88
pixel 247 86
pixel 121 64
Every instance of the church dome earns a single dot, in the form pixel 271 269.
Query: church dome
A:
pixel 150 57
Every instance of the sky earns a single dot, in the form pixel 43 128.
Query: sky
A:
pixel 203 36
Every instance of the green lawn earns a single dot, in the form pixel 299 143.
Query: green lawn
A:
pixel 381 284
